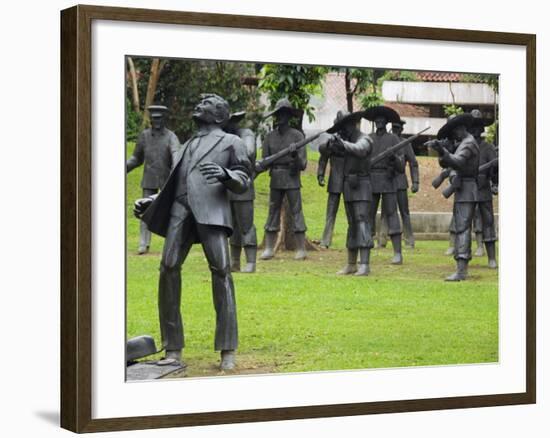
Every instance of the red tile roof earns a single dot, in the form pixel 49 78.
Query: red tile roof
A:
pixel 433 76
pixel 408 110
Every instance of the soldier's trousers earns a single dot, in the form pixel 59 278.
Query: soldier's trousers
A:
pixel 404 212
pixel 487 219
pixel 144 233
pixel 244 230
pixel 333 202
pixel 463 213
pixel 389 209
pixel 182 231
pixel 294 198
pixel 359 230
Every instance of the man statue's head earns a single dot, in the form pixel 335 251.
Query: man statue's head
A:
pixel 157 114
pixel 397 128
pixel 211 110
pixel 380 122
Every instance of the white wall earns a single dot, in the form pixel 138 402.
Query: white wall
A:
pixel 438 93
pixel 30 218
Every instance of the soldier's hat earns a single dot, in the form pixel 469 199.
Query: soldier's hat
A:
pixel 454 121
pixel 399 123
pixel 342 117
pixel 284 105
pixel 157 110
pixel 479 120
pixel 381 111
pixel 236 117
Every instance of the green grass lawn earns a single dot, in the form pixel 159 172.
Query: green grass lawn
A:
pixel 299 316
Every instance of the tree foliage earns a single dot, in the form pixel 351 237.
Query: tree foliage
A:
pixel 452 110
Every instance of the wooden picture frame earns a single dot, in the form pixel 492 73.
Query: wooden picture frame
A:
pixel 76 218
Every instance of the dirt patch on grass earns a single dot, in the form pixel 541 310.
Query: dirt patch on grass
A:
pixel 245 365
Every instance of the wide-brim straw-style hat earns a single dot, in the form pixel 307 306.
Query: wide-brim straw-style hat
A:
pixel 446 130
pixel 381 111
pixel 479 120
pixel 342 117
pixel 284 105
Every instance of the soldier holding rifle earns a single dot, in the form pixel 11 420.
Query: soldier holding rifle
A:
pixel 487 182
pixel 383 175
pixel 242 204
pixel 285 177
pixel 354 147
pixel 464 160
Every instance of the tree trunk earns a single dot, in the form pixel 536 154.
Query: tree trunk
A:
pixel 156 68
pixel 135 92
pixel 349 91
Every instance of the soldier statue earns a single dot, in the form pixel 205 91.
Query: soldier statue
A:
pixel 242 204
pixel 284 178
pixel 383 175
pixel 464 162
pixel 335 186
pixel 193 207
pixel 355 148
pixel 154 148
pixel 487 185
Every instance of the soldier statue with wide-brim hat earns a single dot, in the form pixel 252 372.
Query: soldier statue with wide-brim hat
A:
pixel 155 148
pixel 355 148
pixel 383 173
pixel 284 178
pixel 463 159
pixel 335 184
pixel 242 204
pixel 487 180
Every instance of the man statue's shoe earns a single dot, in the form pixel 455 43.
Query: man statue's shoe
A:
pixel 491 254
pixel 348 269
pixel 363 270
pixel 461 271
pixel 301 253
pixel 143 250
pixel 249 268
pixel 172 357
pixel 397 259
pixel 450 251
pixel 235 258
pixel 269 251
pixel 227 360
pixel 493 264
pixel 457 276
pixel 479 252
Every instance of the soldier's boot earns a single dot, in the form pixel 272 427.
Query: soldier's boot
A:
pixel 172 357
pixel 397 254
pixel 351 266
pixel 269 250
pixel 461 271
pixel 491 254
pixel 451 248
pixel 479 241
pixel 301 253
pixel 364 262
pixel 235 258
pixel 227 362
pixel 144 238
pixel 250 253
pixel 409 235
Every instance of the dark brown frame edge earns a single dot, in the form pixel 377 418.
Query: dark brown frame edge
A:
pixel 76 225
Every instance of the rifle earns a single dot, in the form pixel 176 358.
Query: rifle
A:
pixel 264 163
pixel 455 185
pixel 393 149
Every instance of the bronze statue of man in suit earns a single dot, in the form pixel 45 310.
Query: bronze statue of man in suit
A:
pixel 193 207
pixel 154 149
pixel 242 204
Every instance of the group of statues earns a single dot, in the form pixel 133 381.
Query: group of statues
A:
pixel 203 192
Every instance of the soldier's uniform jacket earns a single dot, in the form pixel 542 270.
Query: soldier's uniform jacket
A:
pixel 285 172
pixel 357 180
pixel 487 153
pixel 401 182
pixel 249 140
pixel 465 162
pixel 155 150
pixel 208 202
pixel 383 173
pixel 336 159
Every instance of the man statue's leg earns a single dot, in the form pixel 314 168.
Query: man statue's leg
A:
pixel 235 241
pixel 351 265
pixel 403 204
pixel 389 206
pixel 177 244
pixel 463 214
pixel 478 229
pixel 373 211
pixel 144 233
pixel 248 237
pixel 294 197
pixel 363 238
pixel 489 232
pixel 273 222
pixel 214 244
pixel 333 201
pixel 382 231
pixel 452 236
